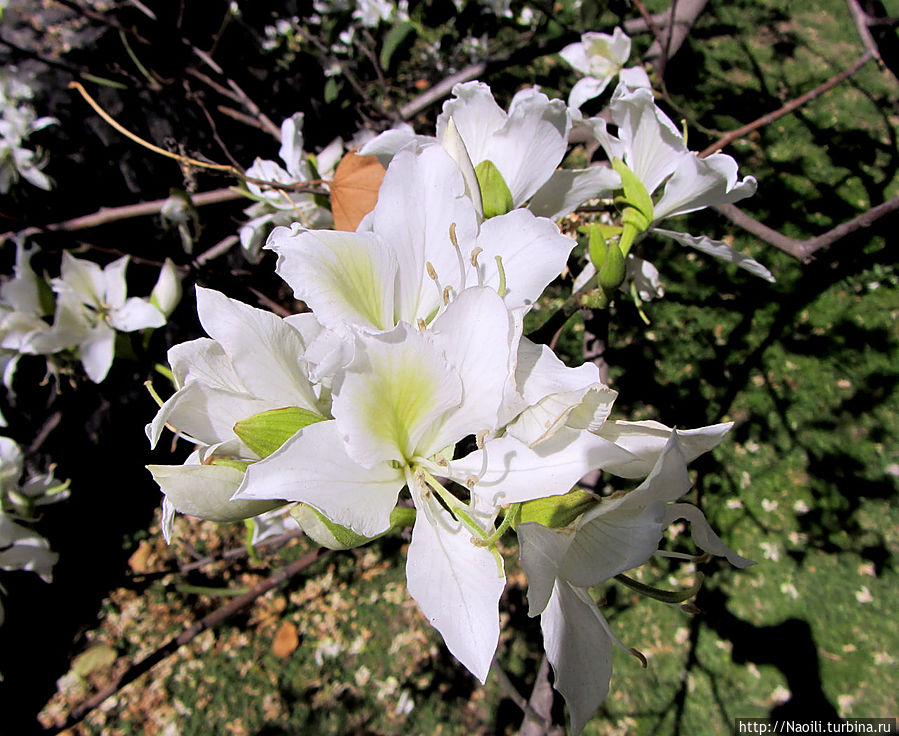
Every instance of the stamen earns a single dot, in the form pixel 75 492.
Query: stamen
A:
pixel 422 326
pixel 430 268
pixel 501 289
pixel 474 256
pixel 455 241
pixel 447 291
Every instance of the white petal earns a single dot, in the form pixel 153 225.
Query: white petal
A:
pixel 393 394
pixel 266 353
pixel 477 117
pixel 205 491
pixel 206 414
pixel 386 145
pixel 533 253
pixel 457 585
pixel 586 89
pixel 475 334
pixel 454 145
pixel 422 196
pixel 516 472
pixel 313 467
pixel 96 351
pixel 720 250
pixel 655 147
pixel 166 293
pixel 136 314
pixel 346 278
pixel 291 151
pixel 530 144
pixel 542 552
pixel 204 360
pixel 610 542
pixel 634 77
pixel 569 188
pixel 698 183
pixel 646 440
pixel 576 55
pixel 115 288
pixel 580 651
pixel 702 533
pixel 82 278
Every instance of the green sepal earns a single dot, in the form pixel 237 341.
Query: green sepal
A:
pixel 666 596
pixel 265 432
pixel 231 463
pixel 613 269
pixel 557 511
pixel 635 194
pixel 495 195
pixel 321 530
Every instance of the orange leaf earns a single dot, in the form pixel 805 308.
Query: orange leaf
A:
pixel 354 189
pixel 286 640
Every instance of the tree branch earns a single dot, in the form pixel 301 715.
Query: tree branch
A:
pixel 804 250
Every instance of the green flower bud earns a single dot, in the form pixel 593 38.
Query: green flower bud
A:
pixel 613 270
pixel 495 195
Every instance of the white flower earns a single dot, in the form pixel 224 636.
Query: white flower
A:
pixel 614 536
pixel 279 207
pixel 525 144
pixel 678 180
pixel 254 362
pixel 419 246
pixel 92 304
pixel 601 58
pixel 404 401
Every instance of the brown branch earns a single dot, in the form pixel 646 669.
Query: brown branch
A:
pixel 789 107
pixel 540 705
pixel 804 250
pixel 106 215
pixel 207 622
pixel 441 90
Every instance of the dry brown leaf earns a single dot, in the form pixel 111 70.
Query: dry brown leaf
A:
pixel 138 561
pixel 354 189
pixel 286 640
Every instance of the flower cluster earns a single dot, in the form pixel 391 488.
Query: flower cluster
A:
pixel 17 122
pixel 409 395
pixel 22 548
pixel 87 303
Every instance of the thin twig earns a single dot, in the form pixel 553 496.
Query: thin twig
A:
pixel 789 107
pixel 540 704
pixel 207 622
pixel 220 248
pixel 106 215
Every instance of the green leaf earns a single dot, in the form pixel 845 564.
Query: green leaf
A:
pixel 495 195
pixel 265 432
pixel 332 90
pixel 635 194
pixel 392 41
pixel 557 511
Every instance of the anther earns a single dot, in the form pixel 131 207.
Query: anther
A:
pixel 447 290
pixel 431 272
pixel 452 234
pixel 422 326
pixel 474 256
